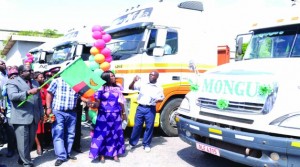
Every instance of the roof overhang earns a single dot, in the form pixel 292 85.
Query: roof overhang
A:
pixel 14 38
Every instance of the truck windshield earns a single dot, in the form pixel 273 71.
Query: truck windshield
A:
pixel 274 43
pixel 62 54
pixel 126 41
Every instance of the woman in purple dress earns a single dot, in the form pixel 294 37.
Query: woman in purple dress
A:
pixel 108 138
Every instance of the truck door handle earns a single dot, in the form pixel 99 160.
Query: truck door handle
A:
pixel 175 77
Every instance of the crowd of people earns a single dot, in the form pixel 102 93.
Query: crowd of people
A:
pixel 43 115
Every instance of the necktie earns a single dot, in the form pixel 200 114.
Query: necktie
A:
pixel 29 84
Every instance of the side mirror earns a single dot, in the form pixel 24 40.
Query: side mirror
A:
pixel 79 50
pixel 158 52
pixel 239 45
pixel 161 37
pixel 43 56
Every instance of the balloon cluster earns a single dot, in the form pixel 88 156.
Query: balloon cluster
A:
pixel 100 57
pixel 29 59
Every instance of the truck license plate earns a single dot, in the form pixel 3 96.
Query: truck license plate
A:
pixel 208 149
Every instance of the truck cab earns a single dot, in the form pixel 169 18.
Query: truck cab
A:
pixel 42 55
pixel 75 43
pixel 248 111
pixel 162 36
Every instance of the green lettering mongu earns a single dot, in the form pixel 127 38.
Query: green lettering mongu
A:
pixel 231 87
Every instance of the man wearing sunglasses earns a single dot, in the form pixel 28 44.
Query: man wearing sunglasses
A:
pixel 25 118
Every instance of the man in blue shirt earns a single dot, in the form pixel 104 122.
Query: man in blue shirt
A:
pixel 61 100
pixel 149 94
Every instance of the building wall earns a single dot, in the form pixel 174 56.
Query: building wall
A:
pixel 18 52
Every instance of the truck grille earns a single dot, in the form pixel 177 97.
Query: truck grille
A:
pixel 243 107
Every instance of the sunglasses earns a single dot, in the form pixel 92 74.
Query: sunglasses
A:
pixel 28 71
pixel 2 63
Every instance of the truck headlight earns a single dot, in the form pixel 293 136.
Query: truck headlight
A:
pixel 185 105
pixel 288 121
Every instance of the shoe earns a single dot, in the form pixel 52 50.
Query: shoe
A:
pixel 72 157
pixel 58 162
pixel 147 149
pixel 10 154
pixel 116 159
pixel 102 160
pixel 78 150
pixel 129 147
pixel 20 162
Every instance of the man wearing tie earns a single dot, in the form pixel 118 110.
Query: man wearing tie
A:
pixel 25 118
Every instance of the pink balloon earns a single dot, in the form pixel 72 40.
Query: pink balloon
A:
pixel 106 37
pixel 97 28
pixel 106 52
pixel 97 35
pixel 28 54
pixel 103 32
pixel 100 44
pixel 108 59
pixel 28 61
pixel 30 58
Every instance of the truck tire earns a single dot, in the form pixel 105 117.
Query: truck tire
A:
pixel 167 126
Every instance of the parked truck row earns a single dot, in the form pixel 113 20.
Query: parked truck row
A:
pixel 145 38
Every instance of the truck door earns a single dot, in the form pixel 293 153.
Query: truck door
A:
pixel 168 64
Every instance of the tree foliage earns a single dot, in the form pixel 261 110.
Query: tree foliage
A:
pixel 46 33
pixel 49 33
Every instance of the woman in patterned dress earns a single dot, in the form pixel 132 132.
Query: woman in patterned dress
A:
pixel 108 138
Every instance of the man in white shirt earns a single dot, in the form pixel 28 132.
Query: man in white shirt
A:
pixel 149 94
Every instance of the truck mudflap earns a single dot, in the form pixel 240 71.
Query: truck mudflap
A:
pixel 243 147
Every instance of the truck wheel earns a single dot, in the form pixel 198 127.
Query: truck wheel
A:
pixel 167 119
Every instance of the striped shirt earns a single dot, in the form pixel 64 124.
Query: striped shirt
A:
pixel 64 97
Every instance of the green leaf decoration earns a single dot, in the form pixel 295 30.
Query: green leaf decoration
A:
pixel 222 104
pixel 265 90
pixel 193 87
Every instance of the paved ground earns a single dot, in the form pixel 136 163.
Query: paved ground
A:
pixel 166 152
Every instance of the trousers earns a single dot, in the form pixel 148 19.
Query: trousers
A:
pixel 63 133
pixel 144 114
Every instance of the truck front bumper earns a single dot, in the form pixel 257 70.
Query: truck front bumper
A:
pixel 244 147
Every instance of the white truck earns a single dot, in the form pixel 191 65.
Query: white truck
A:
pixel 42 55
pixel 159 36
pixel 76 42
pixel 165 37
pixel 249 111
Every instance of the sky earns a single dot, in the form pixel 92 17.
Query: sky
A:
pixel 63 15
pixel 66 14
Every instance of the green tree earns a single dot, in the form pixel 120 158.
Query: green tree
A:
pixel 46 33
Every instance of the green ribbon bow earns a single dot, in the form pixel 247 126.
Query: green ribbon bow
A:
pixel 222 104
pixel 193 87
pixel 265 90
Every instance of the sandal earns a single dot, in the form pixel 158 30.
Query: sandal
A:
pixel 116 159
pixel 101 159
